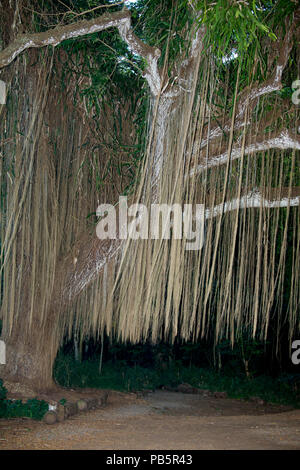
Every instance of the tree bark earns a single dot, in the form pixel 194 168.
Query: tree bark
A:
pixel 30 356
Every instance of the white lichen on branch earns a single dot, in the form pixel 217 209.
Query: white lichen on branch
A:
pixel 283 140
pixel 254 199
pixel 55 36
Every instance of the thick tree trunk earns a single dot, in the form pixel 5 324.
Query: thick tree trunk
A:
pixel 30 356
pixel 28 365
pixel 31 350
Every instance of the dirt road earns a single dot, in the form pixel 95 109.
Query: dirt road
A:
pixel 162 421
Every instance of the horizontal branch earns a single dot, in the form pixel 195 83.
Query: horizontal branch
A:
pixel 81 266
pixel 90 254
pixel 284 140
pixel 254 199
pixel 54 36
pixel 249 96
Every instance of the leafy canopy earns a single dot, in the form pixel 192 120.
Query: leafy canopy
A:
pixel 240 23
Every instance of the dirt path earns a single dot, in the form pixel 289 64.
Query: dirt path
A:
pixel 162 421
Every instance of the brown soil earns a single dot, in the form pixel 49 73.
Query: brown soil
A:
pixel 162 420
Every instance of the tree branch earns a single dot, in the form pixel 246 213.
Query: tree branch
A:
pixel 150 54
pixel 184 75
pixel 248 98
pixel 53 37
pixel 254 199
pixel 56 35
pixel 81 266
pixel 250 95
pixel 90 254
pixel 284 140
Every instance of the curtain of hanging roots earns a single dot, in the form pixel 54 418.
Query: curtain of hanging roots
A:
pixel 53 154
pixel 156 288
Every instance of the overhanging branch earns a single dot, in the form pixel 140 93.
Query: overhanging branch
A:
pixel 249 96
pixel 283 140
pixel 54 36
pixel 254 199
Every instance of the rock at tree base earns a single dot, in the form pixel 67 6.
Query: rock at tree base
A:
pixel 70 409
pixel 92 403
pixel 50 417
pixel 104 398
pixel 61 414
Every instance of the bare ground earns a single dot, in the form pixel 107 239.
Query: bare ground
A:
pixel 162 420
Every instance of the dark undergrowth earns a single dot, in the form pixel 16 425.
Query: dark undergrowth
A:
pixel 120 376
pixel 283 390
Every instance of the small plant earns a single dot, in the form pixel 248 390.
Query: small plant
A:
pixel 33 408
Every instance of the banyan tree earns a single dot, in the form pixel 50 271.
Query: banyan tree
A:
pixel 166 102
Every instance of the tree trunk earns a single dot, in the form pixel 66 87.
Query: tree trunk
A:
pixel 31 350
pixel 30 357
